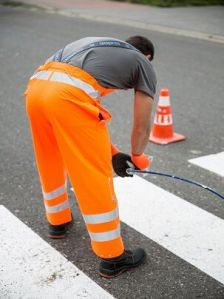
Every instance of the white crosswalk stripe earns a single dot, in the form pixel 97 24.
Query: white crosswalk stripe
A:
pixel 184 229
pixel 214 163
pixel 31 268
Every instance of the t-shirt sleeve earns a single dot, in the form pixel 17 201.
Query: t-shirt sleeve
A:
pixel 145 78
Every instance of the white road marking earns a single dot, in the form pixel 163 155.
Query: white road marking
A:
pixel 214 163
pixel 31 268
pixel 181 227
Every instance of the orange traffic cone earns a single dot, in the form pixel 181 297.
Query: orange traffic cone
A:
pixel 162 130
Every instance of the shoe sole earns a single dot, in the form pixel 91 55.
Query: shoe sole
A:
pixel 56 237
pixel 127 268
pixel 115 275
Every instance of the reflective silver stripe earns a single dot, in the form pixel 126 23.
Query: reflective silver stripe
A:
pixel 106 236
pixel 55 193
pixel 64 78
pixel 44 75
pixel 57 208
pixel 101 218
pixel 60 77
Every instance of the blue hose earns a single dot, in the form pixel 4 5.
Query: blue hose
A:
pixel 132 171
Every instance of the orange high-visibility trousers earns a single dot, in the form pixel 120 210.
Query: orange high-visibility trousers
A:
pixel 70 139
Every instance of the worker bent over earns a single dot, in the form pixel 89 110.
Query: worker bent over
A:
pixel 70 136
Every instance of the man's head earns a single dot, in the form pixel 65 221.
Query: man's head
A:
pixel 143 44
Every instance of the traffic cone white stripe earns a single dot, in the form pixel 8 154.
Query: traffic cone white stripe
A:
pixel 163 120
pixel 164 101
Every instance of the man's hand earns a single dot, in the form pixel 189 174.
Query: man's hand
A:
pixel 121 162
pixel 141 162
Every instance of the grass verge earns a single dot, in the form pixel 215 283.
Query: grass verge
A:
pixel 176 3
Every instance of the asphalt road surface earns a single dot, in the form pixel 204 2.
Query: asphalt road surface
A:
pixel 193 71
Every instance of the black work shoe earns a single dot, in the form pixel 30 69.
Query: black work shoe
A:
pixel 110 268
pixel 58 231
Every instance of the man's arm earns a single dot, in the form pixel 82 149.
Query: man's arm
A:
pixel 141 122
pixel 139 139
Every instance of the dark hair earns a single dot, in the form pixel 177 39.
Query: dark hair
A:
pixel 143 44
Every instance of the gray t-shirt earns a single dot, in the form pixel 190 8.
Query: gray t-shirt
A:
pixel 112 67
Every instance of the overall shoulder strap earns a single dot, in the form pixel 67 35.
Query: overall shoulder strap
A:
pixel 103 43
